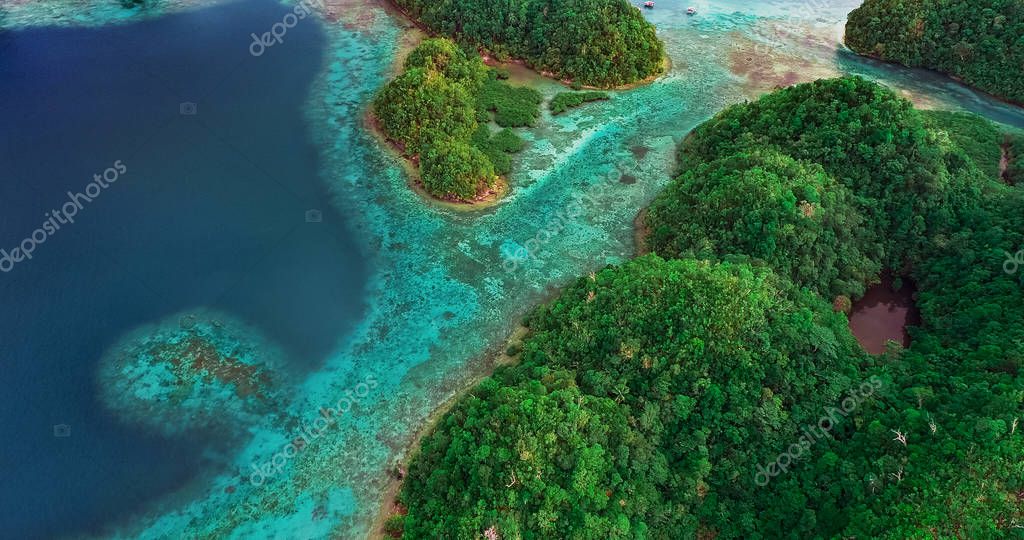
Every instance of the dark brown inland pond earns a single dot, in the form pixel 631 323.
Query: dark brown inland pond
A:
pixel 883 314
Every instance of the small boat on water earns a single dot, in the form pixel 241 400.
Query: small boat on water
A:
pixel 649 5
pixel 691 10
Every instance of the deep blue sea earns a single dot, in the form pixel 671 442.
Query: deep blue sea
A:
pixel 210 212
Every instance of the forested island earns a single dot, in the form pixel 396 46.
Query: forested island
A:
pixel 978 41
pixel 712 389
pixel 601 43
pixel 438 114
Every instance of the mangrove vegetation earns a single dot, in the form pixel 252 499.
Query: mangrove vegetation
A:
pixel 563 101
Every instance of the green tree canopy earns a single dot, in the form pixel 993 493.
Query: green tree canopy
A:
pixel 439 110
pixel 662 399
pixel 456 169
pixel 770 207
pixel 596 42
pixel 642 390
pixel 979 41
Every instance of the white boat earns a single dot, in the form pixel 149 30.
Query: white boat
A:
pixel 691 11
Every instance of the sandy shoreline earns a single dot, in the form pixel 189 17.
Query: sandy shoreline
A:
pixel 490 198
pixel 411 36
pixel 389 504
pixel 414 33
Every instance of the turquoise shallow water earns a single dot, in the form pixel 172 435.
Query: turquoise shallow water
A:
pixel 450 284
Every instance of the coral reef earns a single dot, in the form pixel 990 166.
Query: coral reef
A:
pixel 197 370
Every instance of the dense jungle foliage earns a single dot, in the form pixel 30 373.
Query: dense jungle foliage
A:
pixel 997 153
pixel 1014 146
pixel 979 41
pixel 716 393
pixel 601 43
pixel 979 138
pixel 871 141
pixel 768 206
pixel 438 111
pixel 563 101
pixel 640 388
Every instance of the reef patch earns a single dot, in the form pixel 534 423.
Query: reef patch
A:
pixel 191 371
